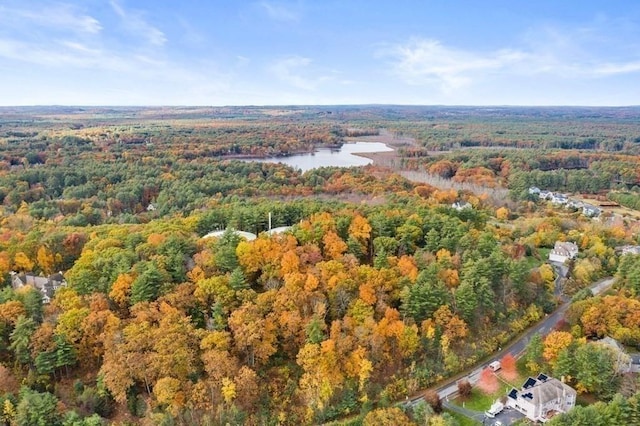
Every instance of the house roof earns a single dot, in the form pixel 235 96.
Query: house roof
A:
pixel 278 230
pixel 46 285
pixel 540 392
pixel 612 343
pixel 217 234
pixel 565 248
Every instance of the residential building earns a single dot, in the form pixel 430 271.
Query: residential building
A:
pixel 590 211
pixel 629 250
pixel 559 199
pixel 249 236
pixel 542 398
pixel 563 251
pixel 545 195
pixel 623 360
pixel 461 205
pixel 47 286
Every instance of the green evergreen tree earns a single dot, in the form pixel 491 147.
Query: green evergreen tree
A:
pixel 65 353
pixel 37 409
pixel 146 286
pixel 237 280
pixel 20 338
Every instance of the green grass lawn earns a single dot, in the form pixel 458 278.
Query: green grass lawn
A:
pixel 480 401
pixel 462 420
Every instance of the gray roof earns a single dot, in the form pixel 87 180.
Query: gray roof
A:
pixel 549 390
pixel 46 285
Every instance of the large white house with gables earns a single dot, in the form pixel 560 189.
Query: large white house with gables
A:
pixel 563 251
pixel 542 398
pixel 47 286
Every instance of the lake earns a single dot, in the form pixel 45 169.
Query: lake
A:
pixel 327 157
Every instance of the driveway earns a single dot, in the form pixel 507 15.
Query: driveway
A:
pixel 449 390
pixel 506 417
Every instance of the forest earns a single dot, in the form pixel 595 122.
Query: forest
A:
pixel 378 290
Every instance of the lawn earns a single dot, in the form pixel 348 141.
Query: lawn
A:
pixel 480 401
pixel 534 262
pixel 462 420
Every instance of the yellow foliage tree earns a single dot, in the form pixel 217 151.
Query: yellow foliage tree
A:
pixel 334 247
pixel 555 342
pixel 121 290
pixel 502 213
pixel 22 262
pixel 228 390
pixel 408 268
pixel 5 263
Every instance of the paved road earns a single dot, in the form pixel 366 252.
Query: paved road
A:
pixel 517 347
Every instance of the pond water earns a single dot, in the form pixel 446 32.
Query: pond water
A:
pixel 325 157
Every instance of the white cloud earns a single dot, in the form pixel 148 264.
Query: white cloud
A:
pixel 619 68
pixel 61 17
pixel 280 12
pixel 295 71
pixel 136 24
pixel 429 62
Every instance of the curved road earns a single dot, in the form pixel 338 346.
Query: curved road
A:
pixel 517 347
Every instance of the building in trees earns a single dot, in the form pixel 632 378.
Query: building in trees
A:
pixel 542 398
pixel 45 285
pixel 563 251
pixel 623 360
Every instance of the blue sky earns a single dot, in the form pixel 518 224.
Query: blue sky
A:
pixel 268 52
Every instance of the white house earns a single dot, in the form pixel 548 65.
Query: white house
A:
pixel 47 286
pixel 563 251
pixel 249 236
pixel 278 230
pixel 559 199
pixel 542 398
pixel 590 211
pixel 461 205
pixel 534 190
pixel 630 250
pixel 545 195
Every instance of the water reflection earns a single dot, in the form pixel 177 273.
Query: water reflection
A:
pixel 336 157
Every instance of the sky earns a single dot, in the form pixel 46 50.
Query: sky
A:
pixel 312 52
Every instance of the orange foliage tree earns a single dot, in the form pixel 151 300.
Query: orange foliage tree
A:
pixel 509 370
pixel 488 381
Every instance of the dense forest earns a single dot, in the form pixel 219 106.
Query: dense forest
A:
pixel 378 289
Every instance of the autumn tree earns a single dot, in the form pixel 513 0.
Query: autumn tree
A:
pixel 121 290
pixel 22 262
pixel 464 388
pixel 253 334
pixel 488 381
pixel 433 399
pixel 554 342
pixel 502 213
pixel 387 417
pixel 508 366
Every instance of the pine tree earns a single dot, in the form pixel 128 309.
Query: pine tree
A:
pixel 65 353
pixel 237 280
pixel 20 338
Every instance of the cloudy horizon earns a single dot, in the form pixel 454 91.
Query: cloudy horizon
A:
pixel 125 52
